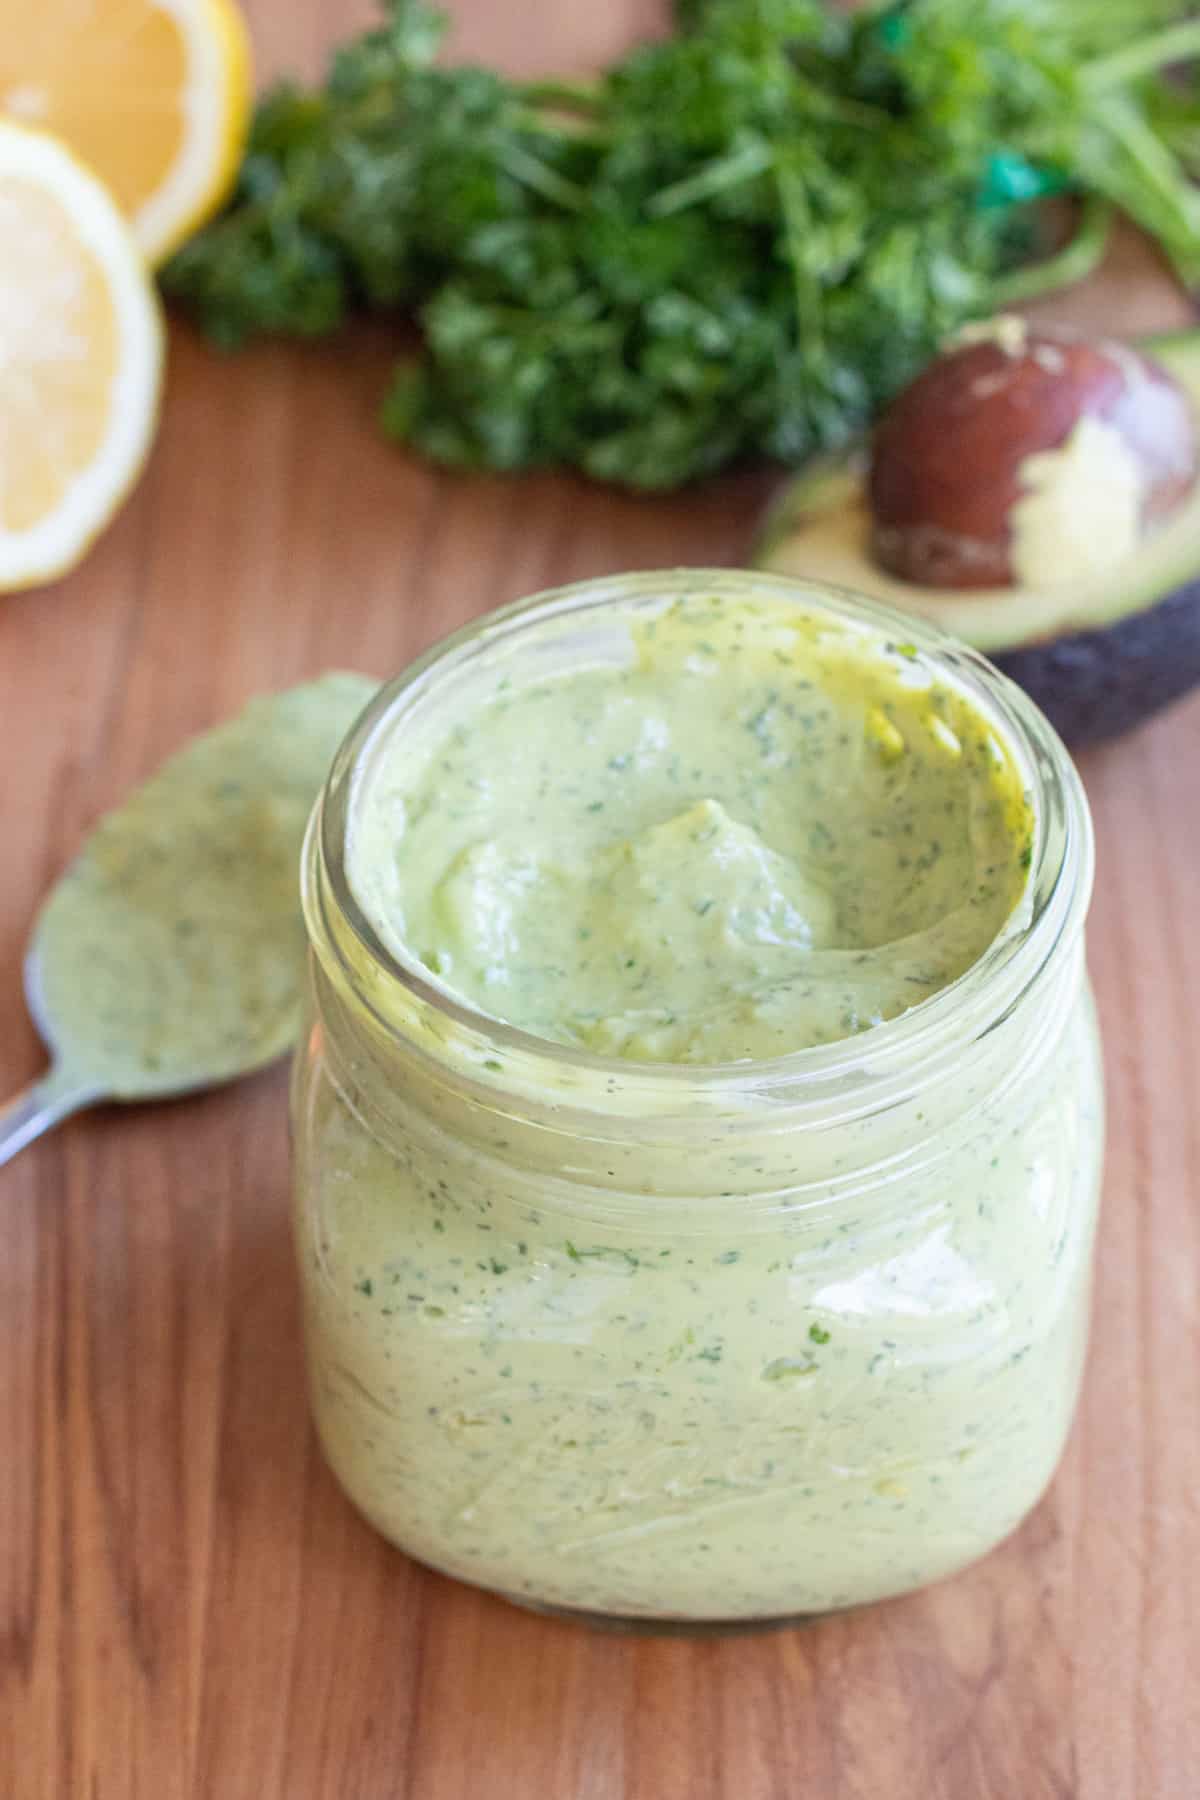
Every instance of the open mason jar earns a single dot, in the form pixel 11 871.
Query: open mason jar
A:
pixel 704 1343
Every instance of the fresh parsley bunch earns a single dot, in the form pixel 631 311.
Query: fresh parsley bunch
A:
pixel 736 242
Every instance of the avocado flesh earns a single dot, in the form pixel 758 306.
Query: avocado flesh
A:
pixel 1097 657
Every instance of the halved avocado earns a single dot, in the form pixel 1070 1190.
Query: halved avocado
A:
pixel 1098 658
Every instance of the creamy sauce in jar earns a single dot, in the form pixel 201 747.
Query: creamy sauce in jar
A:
pixel 696 1351
pixel 757 837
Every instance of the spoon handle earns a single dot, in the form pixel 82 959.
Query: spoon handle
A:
pixel 43 1104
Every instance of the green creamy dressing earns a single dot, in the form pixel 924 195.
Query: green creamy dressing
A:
pixel 172 951
pixel 682 1356
pixel 759 835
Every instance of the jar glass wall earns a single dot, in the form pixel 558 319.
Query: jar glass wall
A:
pixel 704 1343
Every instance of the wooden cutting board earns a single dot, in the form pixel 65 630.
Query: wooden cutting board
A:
pixel 188 1607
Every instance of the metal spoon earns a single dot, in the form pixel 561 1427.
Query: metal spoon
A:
pixel 185 902
pixel 68 1086
pixel 65 1088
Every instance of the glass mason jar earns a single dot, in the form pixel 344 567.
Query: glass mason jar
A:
pixel 696 1343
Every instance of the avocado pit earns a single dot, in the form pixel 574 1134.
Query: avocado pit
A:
pixel 1030 456
pixel 1096 522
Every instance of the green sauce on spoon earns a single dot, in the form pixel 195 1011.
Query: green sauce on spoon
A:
pixel 170 955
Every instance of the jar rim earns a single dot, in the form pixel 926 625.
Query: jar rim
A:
pixel 1051 915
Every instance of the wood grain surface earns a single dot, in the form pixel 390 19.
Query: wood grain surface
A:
pixel 188 1607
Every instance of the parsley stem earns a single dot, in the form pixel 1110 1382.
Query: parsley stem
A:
pixel 728 171
pixel 1177 203
pixel 571 96
pixel 543 180
pixel 1070 264
pixel 797 220
pixel 560 128
pixel 1178 43
pixel 1187 146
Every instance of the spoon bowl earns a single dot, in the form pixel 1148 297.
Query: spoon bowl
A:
pixel 169 958
pixel 69 1086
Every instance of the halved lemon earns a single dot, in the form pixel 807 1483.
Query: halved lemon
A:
pixel 80 357
pixel 154 95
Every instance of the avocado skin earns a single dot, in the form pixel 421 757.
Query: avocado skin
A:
pixel 1093 685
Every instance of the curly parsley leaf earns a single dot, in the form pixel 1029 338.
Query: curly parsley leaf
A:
pixel 737 242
